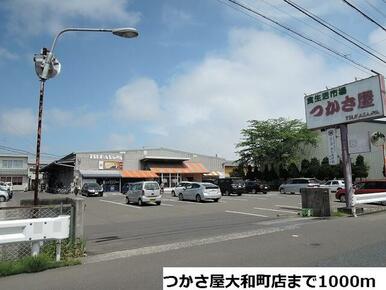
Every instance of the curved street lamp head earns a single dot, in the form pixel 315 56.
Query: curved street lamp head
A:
pixel 125 32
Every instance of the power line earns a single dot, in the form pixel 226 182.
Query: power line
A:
pixel 375 8
pixel 300 35
pixel 304 11
pixel 310 25
pixel 21 151
pixel 264 22
pixel 363 14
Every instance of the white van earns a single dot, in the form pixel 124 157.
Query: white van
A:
pixel 144 192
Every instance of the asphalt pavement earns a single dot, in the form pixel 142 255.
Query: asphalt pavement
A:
pixel 127 246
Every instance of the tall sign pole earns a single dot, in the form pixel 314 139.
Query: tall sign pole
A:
pixel 349 103
pixel 38 141
pixel 347 168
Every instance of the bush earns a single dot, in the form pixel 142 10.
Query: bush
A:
pixel 70 249
pixel 33 264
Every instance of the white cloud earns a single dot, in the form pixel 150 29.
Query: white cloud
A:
pixel 261 76
pixel 138 101
pixel 33 17
pixel 18 122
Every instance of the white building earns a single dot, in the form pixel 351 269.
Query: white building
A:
pixel 359 143
pixel 14 168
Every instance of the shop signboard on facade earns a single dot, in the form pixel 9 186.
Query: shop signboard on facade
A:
pixel 332 147
pixel 349 103
pixel 107 156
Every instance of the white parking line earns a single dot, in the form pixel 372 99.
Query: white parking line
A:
pixel 277 210
pixel 288 206
pixel 245 213
pixel 165 204
pixel 120 203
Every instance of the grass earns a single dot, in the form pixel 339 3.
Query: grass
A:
pixel 33 264
pixel 70 252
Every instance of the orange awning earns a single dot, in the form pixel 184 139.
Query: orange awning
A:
pixel 185 167
pixel 138 174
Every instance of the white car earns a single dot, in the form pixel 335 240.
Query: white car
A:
pixel 180 187
pixel 200 191
pixel 4 196
pixel 7 185
pixel 334 185
pixel 144 192
pixel 294 185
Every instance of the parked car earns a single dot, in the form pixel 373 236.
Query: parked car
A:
pixel 294 185
pixel 200 192
pixel 92 189
pixel 254 186
pixel 144 192
pixel 231 185
pixel 333 185
pixel 4 196
pixel 126 187
pixel 179 188
pixel 363 187
pixel 7 189
pixel 8 185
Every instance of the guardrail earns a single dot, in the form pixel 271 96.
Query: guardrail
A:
pixel 35 231
pixel 369 198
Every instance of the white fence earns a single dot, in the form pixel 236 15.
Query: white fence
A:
pixel 369 198
pixel 35 230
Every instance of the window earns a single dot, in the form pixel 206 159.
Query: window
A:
pixel 151 186
pixel 17 180
pixel 195 185
pixel 17 163
pixel 12 164
pixel 6 178
pixel 7 163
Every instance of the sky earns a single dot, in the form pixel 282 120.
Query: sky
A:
pixel 199 70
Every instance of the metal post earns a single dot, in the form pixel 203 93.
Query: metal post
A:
pixel 347 168
pixel 38 141
pixel 58 249
pixel 35 248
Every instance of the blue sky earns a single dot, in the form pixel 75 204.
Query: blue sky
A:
pixel 198 71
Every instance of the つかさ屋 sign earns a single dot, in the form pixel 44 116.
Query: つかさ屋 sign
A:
pixel 349 103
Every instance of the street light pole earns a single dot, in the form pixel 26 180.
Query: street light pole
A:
pixel 46 67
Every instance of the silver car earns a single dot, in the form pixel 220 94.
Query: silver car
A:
pixel 200 192
pixel 334 185
pixel 294 185
pixel 144 192
pixel 180 187
pixel 4 196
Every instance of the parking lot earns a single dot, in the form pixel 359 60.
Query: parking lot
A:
pixel 112 225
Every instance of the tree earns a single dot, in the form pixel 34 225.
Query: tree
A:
pixel 313 170
pixel 283 172
pixel 360 169
pixel 304 166
pixel 293 170
pixel 325 171
pixel 274 142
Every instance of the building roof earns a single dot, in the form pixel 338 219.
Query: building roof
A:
pixel 157 158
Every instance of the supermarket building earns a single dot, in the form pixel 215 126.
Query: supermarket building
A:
pixel 112 169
